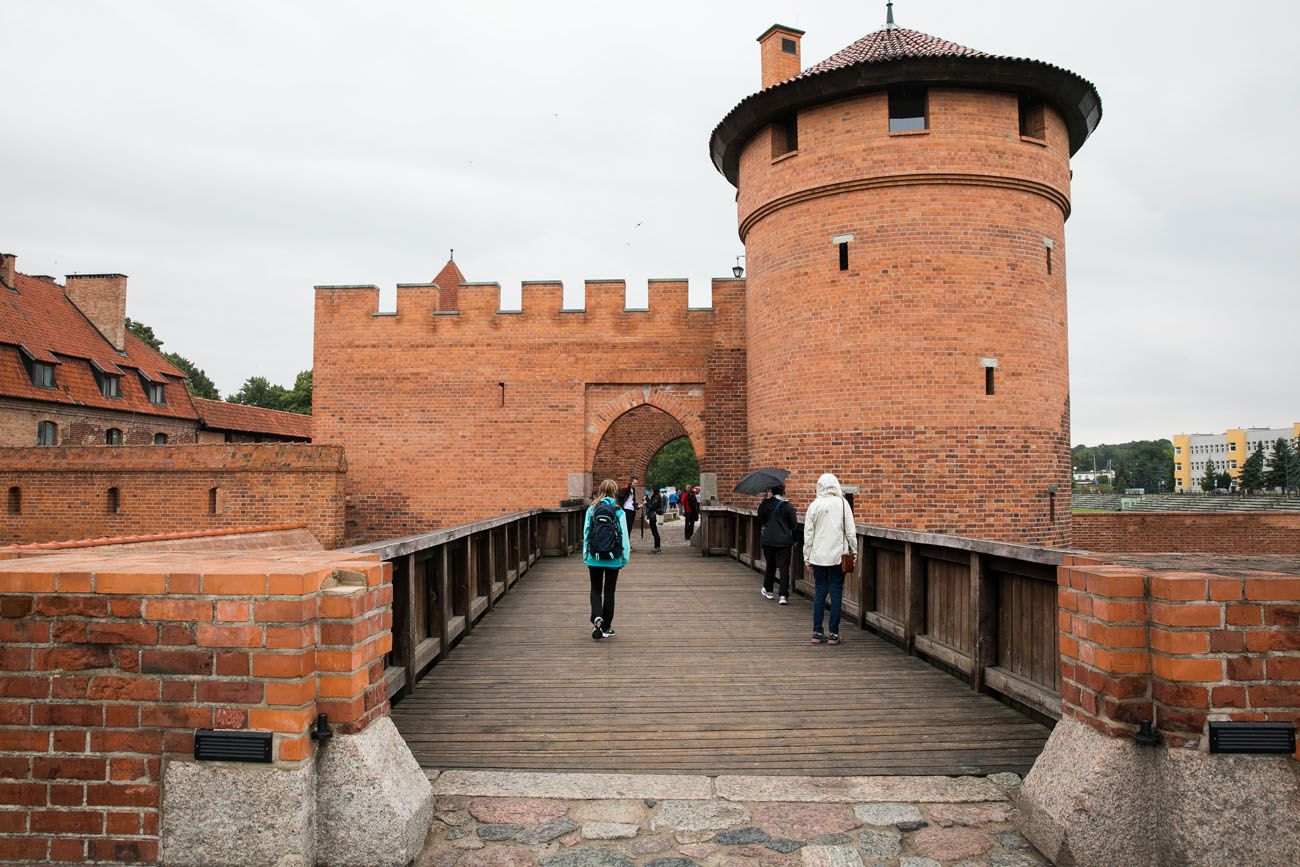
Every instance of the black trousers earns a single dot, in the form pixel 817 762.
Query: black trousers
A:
pixel 653 520
pixel 777 558
pixel 690 525
pixel 630 514
pixel 603 583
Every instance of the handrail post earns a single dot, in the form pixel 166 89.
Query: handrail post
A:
pixel 913 596
pixel 471 582
pixel 444 600
pixel 984 622
pixel 410 640
pixel 866 579
pixel 491 538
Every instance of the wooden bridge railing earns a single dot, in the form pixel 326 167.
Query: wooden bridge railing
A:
pixel 444 581
pixel 985 611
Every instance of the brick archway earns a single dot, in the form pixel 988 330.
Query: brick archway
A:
pixel 626 433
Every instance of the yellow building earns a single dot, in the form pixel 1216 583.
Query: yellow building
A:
pixel 1228 450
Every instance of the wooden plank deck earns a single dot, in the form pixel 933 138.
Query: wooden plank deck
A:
pixel 704 676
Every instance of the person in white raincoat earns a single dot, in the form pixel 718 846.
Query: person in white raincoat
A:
pixel 828 534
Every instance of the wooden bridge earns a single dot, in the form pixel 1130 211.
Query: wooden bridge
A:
pixel 704 676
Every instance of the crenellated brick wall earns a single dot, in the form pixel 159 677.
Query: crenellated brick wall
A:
pixel 49 494
pixel 1195 532
pixel 110 661
pixel 1177 648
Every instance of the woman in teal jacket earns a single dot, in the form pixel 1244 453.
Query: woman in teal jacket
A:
pixel 606 548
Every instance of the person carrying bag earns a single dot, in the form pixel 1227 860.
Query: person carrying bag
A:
pixel 830 544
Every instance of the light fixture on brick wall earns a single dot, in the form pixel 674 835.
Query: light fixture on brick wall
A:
pixel 738 270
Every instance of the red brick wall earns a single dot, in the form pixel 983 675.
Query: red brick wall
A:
pixel 1189 532
pixel 104 675
pixel 414 398
pixel 874 372
pixel 64 491
pixel 1172 648
pixel 82 426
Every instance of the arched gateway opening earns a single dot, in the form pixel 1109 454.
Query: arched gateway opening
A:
pixel 631 442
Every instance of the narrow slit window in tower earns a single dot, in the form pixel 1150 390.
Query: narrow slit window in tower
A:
pixel 15 500
pixel 213 494
pixel 908 109
pixel 114 501
pixel 988 380
pixel 844 255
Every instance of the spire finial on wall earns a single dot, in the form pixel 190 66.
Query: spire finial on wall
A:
pixel 889 14
pixel 452 257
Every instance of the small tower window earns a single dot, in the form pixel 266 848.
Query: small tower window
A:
pixel 1033 118
pixel 113 436
pixel 47 434
pixel 214 500
pixel 990 366
pixel 1048 244
pixel 788 46
pixel 114 500
pixel 160 439
pixel 15 500
pixel 785 136
pixel 844 255
pixel 908 109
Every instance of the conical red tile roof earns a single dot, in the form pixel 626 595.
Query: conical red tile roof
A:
pixel 892 43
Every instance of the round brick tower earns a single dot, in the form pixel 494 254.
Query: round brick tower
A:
pixel 902 206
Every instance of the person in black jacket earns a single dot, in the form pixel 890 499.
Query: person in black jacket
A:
pixel 778 520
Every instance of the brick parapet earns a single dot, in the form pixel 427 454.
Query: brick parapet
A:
pixel 1177 649
pixel 107 674
pixel 64 493
pixel 1191 532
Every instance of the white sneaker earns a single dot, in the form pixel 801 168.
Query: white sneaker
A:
pixel 783 601
pixel 766 594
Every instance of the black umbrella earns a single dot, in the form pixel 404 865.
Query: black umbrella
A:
pixel 758 481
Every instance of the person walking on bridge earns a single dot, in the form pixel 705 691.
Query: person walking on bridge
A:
pixel 690 510
pixel 606 548
pixel 654 507
pixel 777 518
pixel 828 535
pixel 627 498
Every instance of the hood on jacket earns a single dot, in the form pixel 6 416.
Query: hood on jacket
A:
pixel 828 486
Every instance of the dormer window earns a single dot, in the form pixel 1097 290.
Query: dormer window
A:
pixel 42 374
pixel 785 136
pixel 157 393
pixel 1033 118
pixel 109 385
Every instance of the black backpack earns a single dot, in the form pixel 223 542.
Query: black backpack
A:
pixel 604 539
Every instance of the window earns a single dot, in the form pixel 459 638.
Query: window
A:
pixel 1178 450
pixel 1232 447
pixel 114 500
pixel 1178 467
pixel 785 136
pixel 213 500
pixel 47 434
pixel 1033 118
pixel 788 46
pixel 109 385
pixel 157 393
pixel 15 500
pixel 907 109
pixel 844 255
pixel 988 379
pixel 42 374
pixel 1232 465
pixel 113 436
pixel 160 439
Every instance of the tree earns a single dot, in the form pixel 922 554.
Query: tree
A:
pixel 1210 477
pixel 1279 465
pixel 1293 469
pixel 1252 471
pixel 1145 463
pixel 1223 480
pixel 298 398
pixel 142 331
pixel 196 380
pixel 675 464
pixel 258 391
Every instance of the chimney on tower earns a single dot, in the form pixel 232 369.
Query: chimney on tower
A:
pixel 8 269
pixel 102 298
pixel 780 52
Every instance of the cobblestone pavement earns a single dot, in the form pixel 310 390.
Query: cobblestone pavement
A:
pixel 827 823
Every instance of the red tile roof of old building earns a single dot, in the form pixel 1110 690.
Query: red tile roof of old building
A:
pixel 891 43
pixel 219 415
pixel 38 318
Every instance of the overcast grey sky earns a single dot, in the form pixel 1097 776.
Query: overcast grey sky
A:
pixel 230 155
